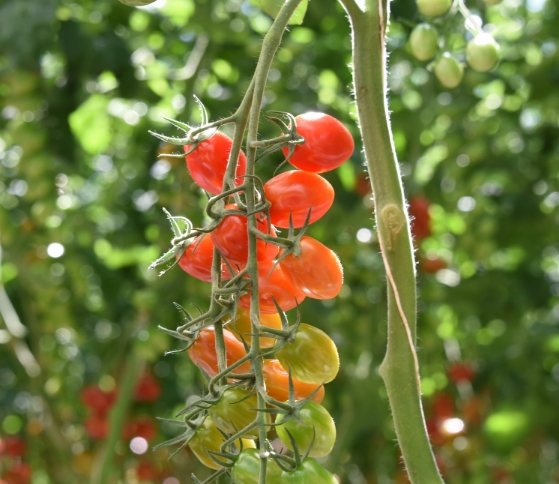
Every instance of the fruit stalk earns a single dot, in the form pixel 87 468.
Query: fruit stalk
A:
pixel 399 369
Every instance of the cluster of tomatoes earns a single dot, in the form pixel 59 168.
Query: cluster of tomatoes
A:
pixel 12 469
pixel 308 357
pixel 482 51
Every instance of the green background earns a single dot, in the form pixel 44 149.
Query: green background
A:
pixel 82 83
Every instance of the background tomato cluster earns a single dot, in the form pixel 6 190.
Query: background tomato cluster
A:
pixel 81 190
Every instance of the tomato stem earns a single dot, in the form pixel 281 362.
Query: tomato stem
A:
pixel 399 369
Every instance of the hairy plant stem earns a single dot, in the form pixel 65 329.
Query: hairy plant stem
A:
pixel 399 369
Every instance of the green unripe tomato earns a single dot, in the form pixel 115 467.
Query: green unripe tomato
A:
pixel 209 438
pixel 137 3
pixel 433 8
pixel 234 412
pixel 449 71
pixel 423 41
pixel 482 52
pixel 311 416
pixel 312 357
pixel 309 472
pixel 246 469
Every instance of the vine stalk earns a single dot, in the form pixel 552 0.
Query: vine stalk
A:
pixel 399 369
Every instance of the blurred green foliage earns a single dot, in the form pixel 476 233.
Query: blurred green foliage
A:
pixel 81 190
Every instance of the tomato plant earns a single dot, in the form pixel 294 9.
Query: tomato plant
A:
pixel 12 446
pixel 231 238
pixel 421 220
pixel 328 143
pixel 242 327
pixel 482 52
pixel 208 162
pixel 461 372
pixel 234 411
pixel 294 193
pixel 209 439
pixel 142 427
pixel 310 471
pixel 423 41
pixel 312 356
pixel 277 383
pixel 203 353
pixel 246 469
pixel 274 284
pixel 312 420
pixel 97 426
pixel 317 272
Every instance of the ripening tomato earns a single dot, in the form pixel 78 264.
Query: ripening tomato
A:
pixel 328 143
pixel 12 446
pixel 97 427
pixel 198 257
pixel 209 438
pixel 203 354
pixel 317 272
pixel 433 8
pixel 143 427
pixel 98 400
pixel 312 357
pixel 310 471
pixel 277 383
pixel 461 372
pixel 146 471
pixel 295 193
pixel 423 41
pixel 482 52
pixel 273 284
pixel 421 220
pixel 242 327
pixel 231 238
pixel 208 162
pixel 19 473
pixel 235 411
pixel 313 420
pixel 448 71
pixel 148 389
pixel 431 266
pixel 246 469
pixel 443 406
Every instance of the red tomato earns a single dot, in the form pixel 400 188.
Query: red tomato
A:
pixel 231 238
pixel 433 430
pixel 295 192
pixel 142 427
pixel 148 389
pixel 198 257
pixel 421 221
pixel 12 446
pixel 460 372
pixel 277 383
pixel 202 352
pixel 146 471
pixel 328 143
pixel 273 285
pixel 20 473
pixel 443 407
pixel 97 400
pixel 97 427
pixel 317 272
pixel 431 266
pixel 208 162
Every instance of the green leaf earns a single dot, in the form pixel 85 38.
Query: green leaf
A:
pixel 272 7
pixel 90 124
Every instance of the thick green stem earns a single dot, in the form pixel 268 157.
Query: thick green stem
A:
pixel 399 369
